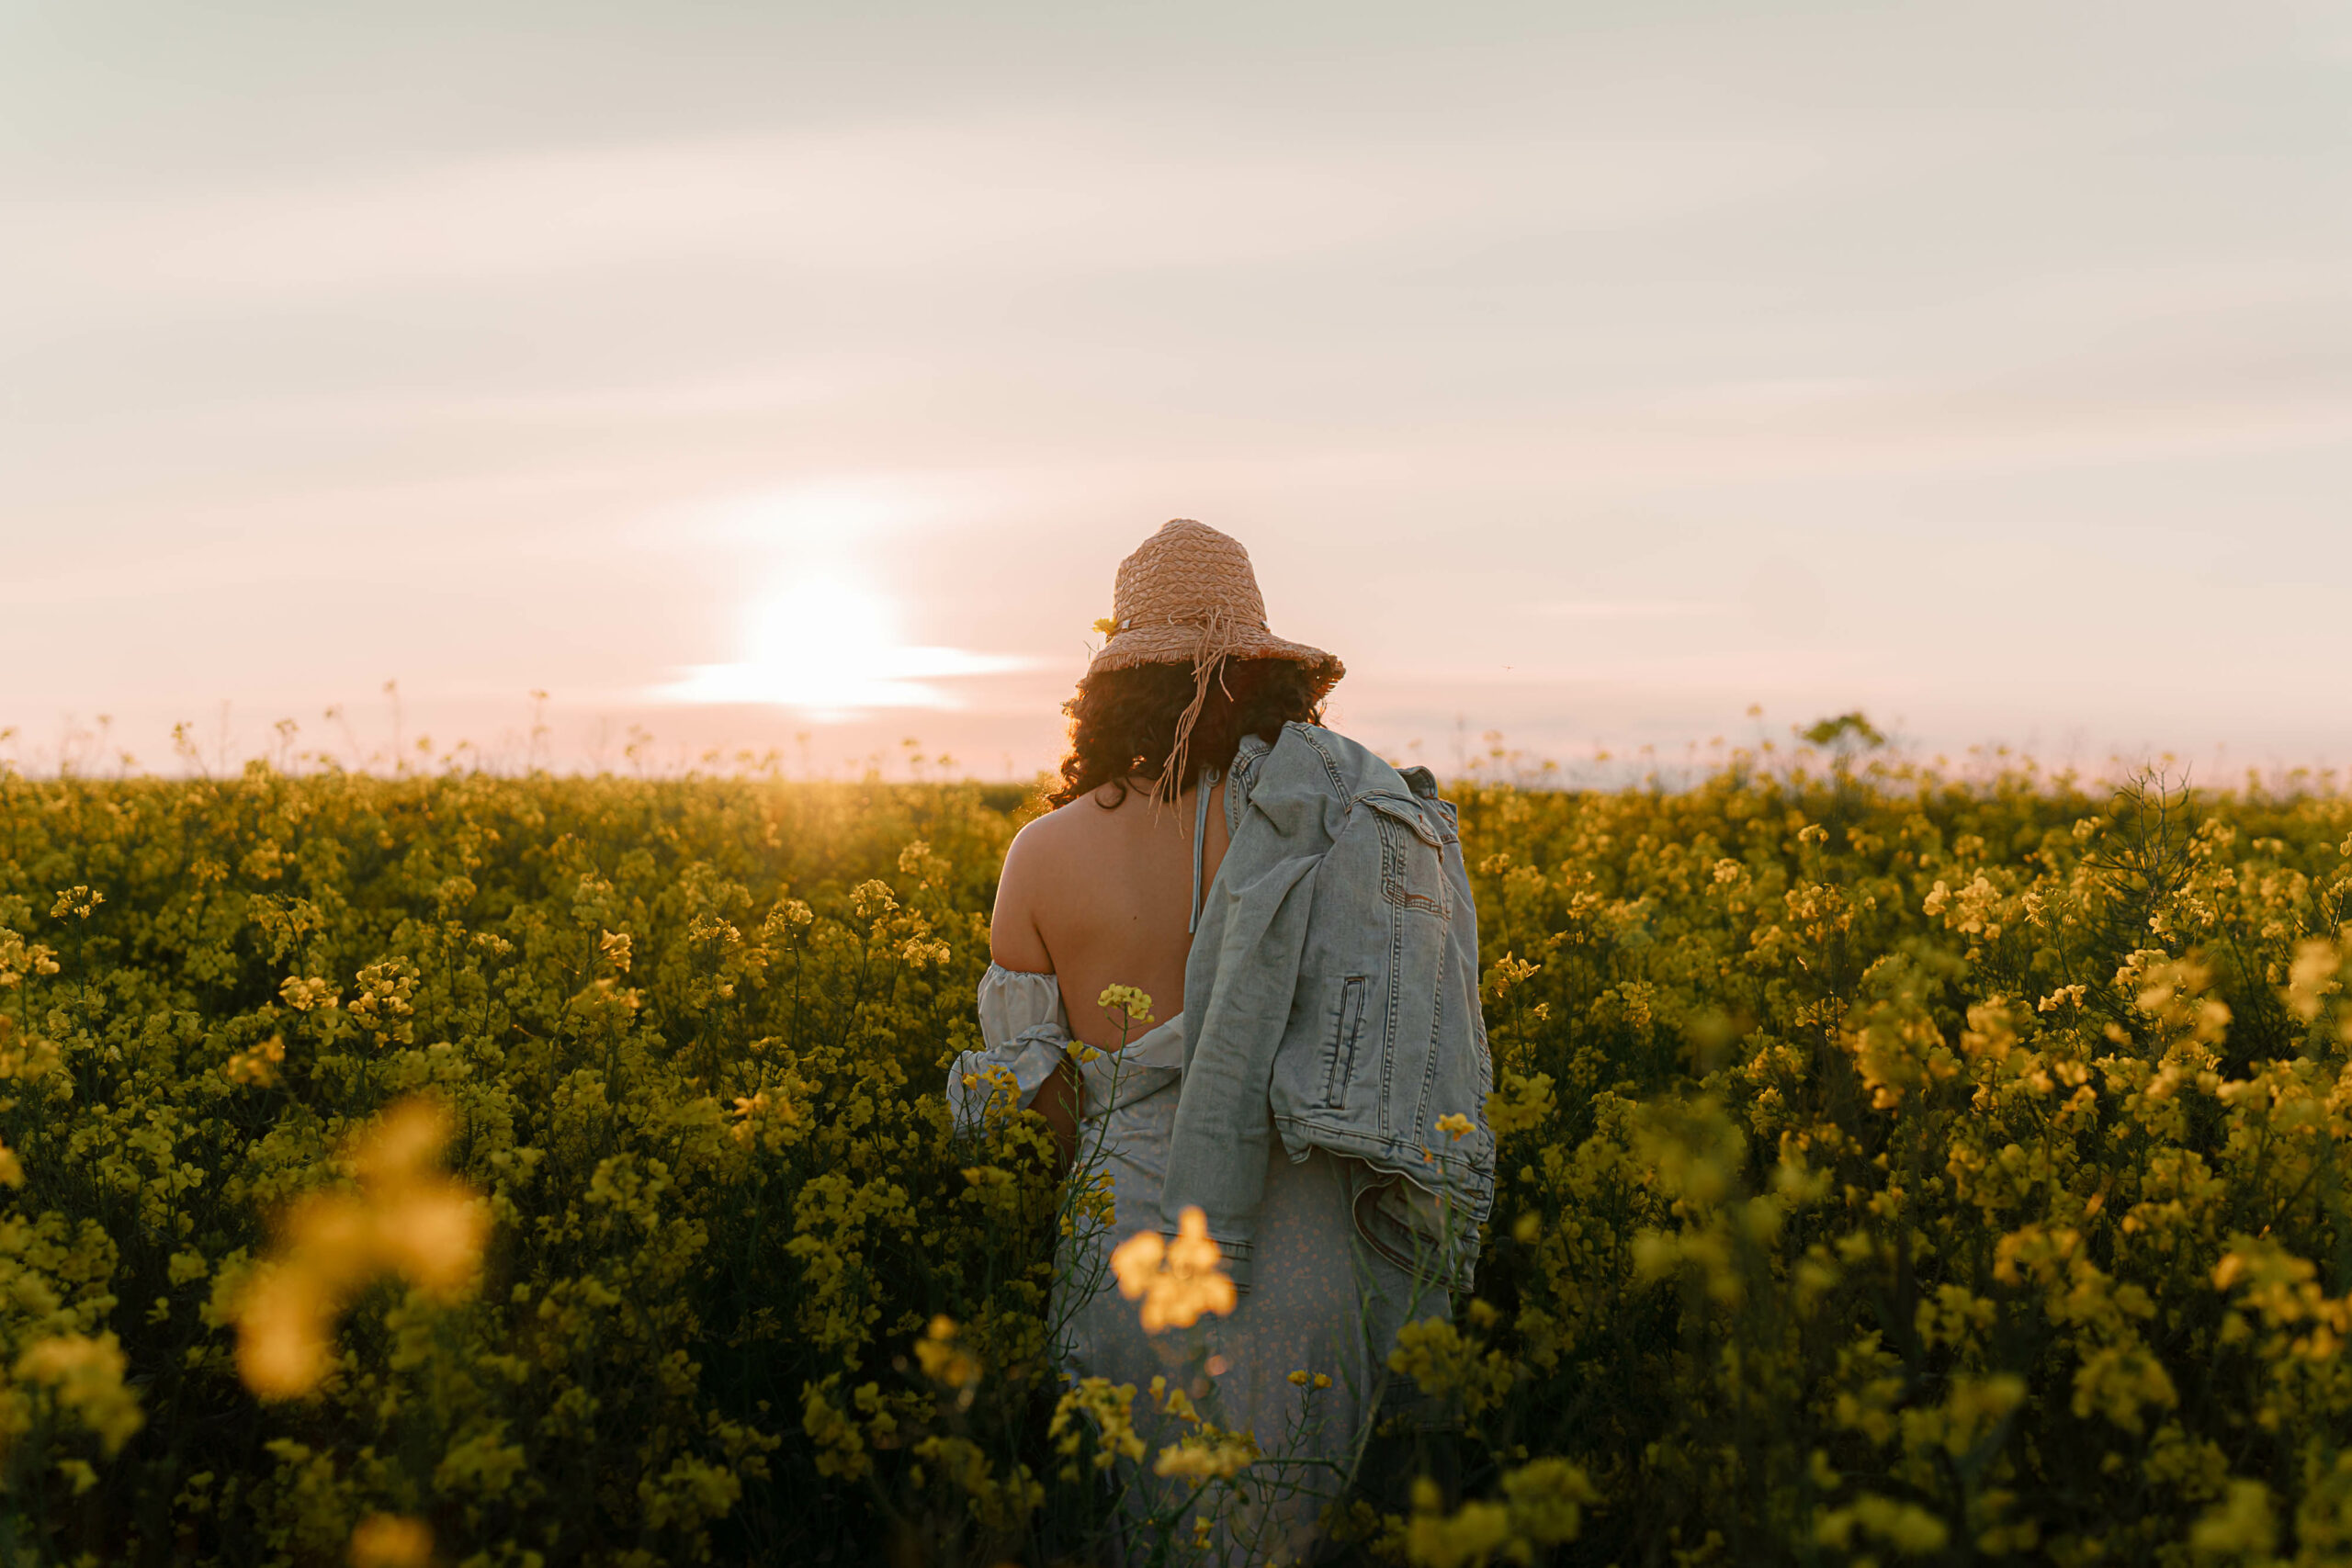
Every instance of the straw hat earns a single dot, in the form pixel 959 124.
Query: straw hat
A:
pixel 1188 595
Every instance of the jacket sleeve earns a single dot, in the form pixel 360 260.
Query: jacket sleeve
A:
pixel 1216 1157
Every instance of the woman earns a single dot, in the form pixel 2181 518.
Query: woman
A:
pixel 1322 1116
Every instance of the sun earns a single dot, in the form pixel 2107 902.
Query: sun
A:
pixel 823 642
pixel 829 646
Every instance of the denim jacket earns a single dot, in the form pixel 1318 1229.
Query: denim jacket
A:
pixel 1332 997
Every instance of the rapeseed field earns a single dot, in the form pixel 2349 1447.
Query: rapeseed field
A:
pixel 538 1171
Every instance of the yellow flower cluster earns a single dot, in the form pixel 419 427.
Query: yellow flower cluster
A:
pixel 1543 1505
pixel 1106 1409
pixel 84 1375
pixel 767 1119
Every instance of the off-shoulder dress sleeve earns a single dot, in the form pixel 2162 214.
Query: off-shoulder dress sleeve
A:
pixel 1024 1034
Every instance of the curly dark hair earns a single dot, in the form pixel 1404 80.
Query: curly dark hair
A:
pixel 1121 722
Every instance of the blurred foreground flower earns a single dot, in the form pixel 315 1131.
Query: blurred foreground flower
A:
pixel 1176 1280
pixel 1212 1456
pixel 946 1362
pixel 406 1218
pixel 390 1540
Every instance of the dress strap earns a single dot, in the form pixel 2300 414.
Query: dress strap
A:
pixel 1200 841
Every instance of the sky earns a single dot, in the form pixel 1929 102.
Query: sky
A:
pixel 793 378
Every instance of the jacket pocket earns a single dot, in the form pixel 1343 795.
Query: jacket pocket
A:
pixel 1412 871
pixel 1347 1025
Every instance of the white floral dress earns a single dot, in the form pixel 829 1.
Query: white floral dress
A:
pixel 1321 1303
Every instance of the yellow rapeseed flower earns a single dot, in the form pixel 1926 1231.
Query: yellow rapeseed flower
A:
pixel 85 1375
pixel 77 901
pixel 257 1066
pixel 302 994
pixel 768 1119
pixel 1126 1004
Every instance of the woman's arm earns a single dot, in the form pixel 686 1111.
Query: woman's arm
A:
pixel 1015 943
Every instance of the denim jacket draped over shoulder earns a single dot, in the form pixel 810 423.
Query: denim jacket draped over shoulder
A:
pixel 1331 998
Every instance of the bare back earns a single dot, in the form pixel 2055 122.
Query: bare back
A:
pixel 1100 895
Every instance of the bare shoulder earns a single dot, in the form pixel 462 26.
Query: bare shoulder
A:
pixel 1069 832
pixel 1036 865
pixel 1040 843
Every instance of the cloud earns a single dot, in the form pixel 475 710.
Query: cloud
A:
pixel 1051 195
pixel 1626 609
